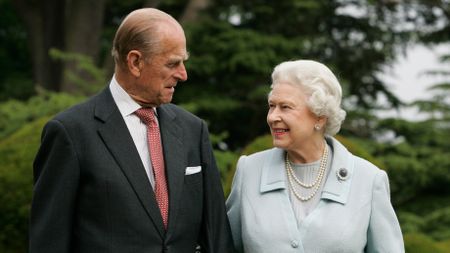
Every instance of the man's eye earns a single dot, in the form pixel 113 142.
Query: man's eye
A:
pixel 173 64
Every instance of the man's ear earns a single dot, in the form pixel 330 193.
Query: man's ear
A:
pixel 135 62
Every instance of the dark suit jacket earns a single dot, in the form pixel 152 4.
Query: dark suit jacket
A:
pixel 91 192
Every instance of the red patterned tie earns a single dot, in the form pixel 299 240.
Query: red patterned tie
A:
pixel 156 155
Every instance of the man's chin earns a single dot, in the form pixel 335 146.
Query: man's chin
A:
pixel 166 99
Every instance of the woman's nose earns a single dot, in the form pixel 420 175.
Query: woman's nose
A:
pixel 273 116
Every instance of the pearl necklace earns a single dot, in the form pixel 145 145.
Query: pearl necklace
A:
pixel 315 185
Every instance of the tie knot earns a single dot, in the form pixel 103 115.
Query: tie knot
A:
pixel 146 114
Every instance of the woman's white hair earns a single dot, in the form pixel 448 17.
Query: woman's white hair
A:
pixel 320 86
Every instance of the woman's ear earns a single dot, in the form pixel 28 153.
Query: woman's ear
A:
pixel 135 62
pixel 322 121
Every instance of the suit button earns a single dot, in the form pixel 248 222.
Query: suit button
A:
pixel 294 244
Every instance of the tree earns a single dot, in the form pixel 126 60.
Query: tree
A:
pixel 79 27
pixel 15 65
pixel 72 26
pixel 235 45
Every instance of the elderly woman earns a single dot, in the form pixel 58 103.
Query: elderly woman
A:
pixel 309 193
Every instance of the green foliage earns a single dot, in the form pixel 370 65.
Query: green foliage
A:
pixel 220 104
pixel 20 130
pixel 326 31
pixel 408 179
pixel 435 223
pixel 360 148
pixel 259 144
pixel 229 76
pixel 420 243
pixel 236 44
pixel 225 159
pixel 15 62
pixel 14 114
pixel 419 160
pixel 16 155
pixel 94 78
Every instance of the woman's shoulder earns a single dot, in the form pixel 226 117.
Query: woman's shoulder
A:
pixel 361 166
pixel 256 161
pixel 260 156
pixel 366 167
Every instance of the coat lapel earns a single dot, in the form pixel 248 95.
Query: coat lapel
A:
pixel 174 157
pixel 274 183
pixel 273 176
pixel 116 137
pixel 336 189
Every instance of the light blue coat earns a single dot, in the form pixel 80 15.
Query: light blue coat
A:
pixel 353 215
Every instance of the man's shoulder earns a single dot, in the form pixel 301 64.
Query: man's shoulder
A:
pixel 81 110
pixel 178 111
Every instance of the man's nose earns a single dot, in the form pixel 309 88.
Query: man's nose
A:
pixel 181 74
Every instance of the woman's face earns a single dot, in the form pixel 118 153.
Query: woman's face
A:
pixel 290 120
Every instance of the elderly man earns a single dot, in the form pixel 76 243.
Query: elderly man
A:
pixel 127 171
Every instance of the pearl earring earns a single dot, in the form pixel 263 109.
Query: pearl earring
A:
pixel 317 127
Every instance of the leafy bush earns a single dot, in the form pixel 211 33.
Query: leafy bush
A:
pixel 20 130
pixel 435 224
pixel 15 114
pixel 420 243
pixel 85 75
pixel 16 180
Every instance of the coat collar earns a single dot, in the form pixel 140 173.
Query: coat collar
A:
pixel 337 189
pixel 273 176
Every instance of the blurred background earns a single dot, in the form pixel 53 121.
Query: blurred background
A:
pixel 55 53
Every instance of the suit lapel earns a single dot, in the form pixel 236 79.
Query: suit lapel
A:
pixel 116 137
pixel 174 157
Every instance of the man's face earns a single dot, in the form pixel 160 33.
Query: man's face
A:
pixel 161 73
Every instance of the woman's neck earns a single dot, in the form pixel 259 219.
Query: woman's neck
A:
pixel 308 152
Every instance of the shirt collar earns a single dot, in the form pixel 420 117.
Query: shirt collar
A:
pixel 124 102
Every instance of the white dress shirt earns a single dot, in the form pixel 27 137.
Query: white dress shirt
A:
pixel 138 130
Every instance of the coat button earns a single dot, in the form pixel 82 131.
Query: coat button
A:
pixel 294 244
